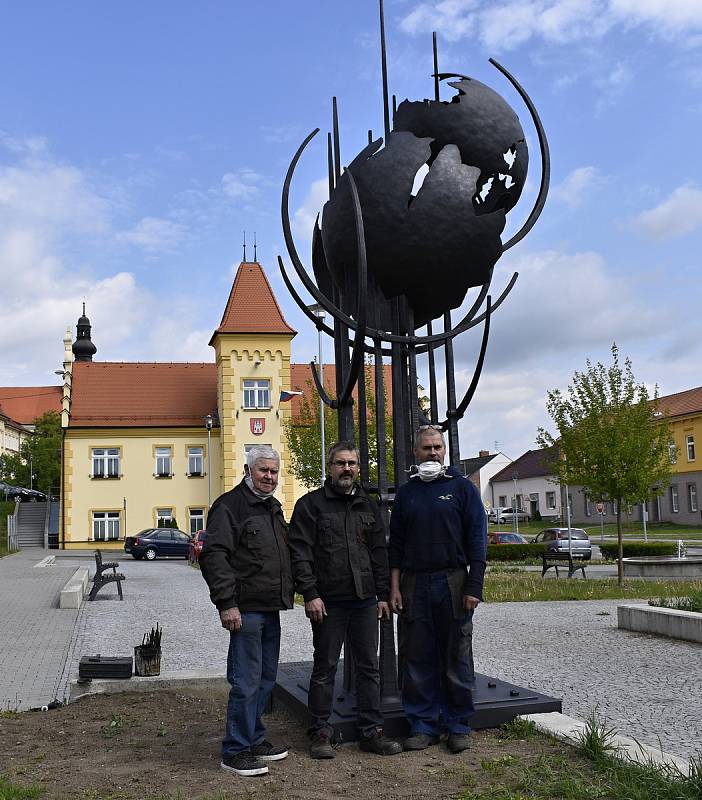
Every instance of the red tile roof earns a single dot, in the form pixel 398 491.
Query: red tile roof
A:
pixel 301 380
pixel 129 395
pixel 23 404
pixel 533 464
pixel 681 403
pixel 252 307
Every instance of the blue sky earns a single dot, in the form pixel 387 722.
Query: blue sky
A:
pixel 138 141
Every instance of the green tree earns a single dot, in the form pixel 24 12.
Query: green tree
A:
pixel 304 438
pixel 609 438
pixel 40 454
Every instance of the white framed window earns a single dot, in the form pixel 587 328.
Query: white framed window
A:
pixel 692 496
pixel 196 520
pixel 105 526
pixel 195 461
pixel 551 501
pixel 164 517
pixel 503 501
pixel 105 462
pixel 690 441
pixel 672 451
pixel 164 460
pixel 257 394
pixel 674 499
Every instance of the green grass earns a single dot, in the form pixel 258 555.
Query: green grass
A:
pixel 690 602
pixel 10 791
pixel 591 771
pixel 630 530
pixel 507 587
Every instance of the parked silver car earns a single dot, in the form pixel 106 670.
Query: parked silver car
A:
pixel 556 539
pixel 506 515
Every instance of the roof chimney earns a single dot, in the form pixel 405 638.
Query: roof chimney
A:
pixel 483 453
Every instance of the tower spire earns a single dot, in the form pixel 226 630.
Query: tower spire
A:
pixel 255 258
pixel 83 347
pixel 244 247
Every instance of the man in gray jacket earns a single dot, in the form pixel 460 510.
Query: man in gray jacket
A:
pixel 246 563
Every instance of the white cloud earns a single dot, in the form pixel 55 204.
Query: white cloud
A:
pixel 578 185
pixel 681 213
pixel 505 24
pixel 241 184
pixel 154 234
pixel 304 217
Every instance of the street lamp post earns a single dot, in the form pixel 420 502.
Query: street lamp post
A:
pixel 208 425
pixel 515 478
pixel 319 312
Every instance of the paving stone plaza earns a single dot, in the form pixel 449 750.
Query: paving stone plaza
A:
pixel 645 687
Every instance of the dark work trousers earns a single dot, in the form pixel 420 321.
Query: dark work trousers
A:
pixel 361 624
pixel 438 674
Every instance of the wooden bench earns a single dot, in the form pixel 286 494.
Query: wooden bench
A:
pixel 554 559
pixel 103 576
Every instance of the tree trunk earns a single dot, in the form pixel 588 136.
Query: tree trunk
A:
pixel 620 542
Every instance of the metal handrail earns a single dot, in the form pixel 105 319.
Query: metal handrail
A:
pixel 12 543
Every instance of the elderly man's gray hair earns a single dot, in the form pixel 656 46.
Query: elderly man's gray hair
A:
pixel 428 430
pixel 259 452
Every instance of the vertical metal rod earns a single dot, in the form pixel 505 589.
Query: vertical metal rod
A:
pixel 436 67
pixel 321 408
pixel 454 449
pixel 433 410
pixel 412 372
pixel 337 148
pixel 384 66
pixel 394 106
pixel 330 163
pixel 363 426
pixel 380 432
pixel 370 137
pixel 399 427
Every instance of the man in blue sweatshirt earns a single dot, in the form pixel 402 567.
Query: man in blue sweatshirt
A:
pixel 437 554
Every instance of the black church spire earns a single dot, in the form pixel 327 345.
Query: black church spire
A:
pixel 83 347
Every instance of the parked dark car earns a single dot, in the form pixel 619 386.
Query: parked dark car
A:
pixel 556 539
pixel 158 542
pixel 506 537
pixel 195 546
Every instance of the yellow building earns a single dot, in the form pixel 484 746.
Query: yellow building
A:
pixel 681 503
pixel 145 442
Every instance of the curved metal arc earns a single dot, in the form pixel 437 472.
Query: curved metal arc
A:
pixel 468 396
pixel 362 267
pixel 321 299
pixel 467 324
pixel 545 160
pixel 296 297
pixel 320 389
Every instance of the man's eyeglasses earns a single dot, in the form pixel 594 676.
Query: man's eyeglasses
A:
pixel 340 463
pixel 430 428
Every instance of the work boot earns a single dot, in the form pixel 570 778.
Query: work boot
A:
pixel 269 752
pixel 458 742
pixel 379 744
pixel 321 745
pixel 420 741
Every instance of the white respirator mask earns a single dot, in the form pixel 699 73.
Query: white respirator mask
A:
pixel 429 470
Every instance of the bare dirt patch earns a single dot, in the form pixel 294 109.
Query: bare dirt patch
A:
pixel 148 745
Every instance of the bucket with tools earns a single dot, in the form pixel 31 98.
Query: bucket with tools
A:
pixel 147 655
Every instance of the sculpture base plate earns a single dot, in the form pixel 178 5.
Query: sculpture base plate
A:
pixel 496 702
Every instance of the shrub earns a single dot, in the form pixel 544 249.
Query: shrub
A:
pixel 514 552
pixel 611 549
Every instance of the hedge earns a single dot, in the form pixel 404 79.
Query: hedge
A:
pixel 632 549
pixel 514 552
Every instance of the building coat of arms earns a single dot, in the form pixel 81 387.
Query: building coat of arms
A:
pixel 258 426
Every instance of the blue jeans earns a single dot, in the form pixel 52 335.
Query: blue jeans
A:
pixel 438 675
pixel 252 665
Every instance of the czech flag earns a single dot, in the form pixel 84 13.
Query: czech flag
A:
pixel 286 396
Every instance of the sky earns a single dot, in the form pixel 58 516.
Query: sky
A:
pixel 139 141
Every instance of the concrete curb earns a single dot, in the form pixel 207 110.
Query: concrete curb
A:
pixel 181 680
pixel 75 589
pixel 670 622
pixel 569 730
